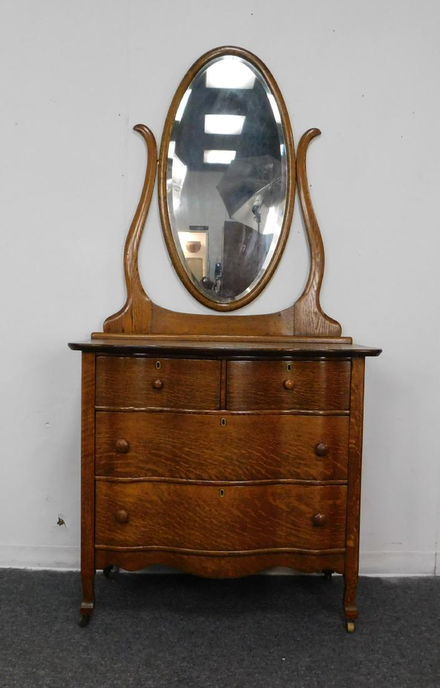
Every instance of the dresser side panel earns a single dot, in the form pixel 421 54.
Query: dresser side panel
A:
pixel 88 480
pixel 354 487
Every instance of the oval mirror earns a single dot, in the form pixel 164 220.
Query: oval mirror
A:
pixel 226 178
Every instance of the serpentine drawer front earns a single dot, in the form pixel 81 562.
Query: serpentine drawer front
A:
pixel 221 446
pixel 225 518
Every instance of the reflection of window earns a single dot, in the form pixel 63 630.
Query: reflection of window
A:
pixel 229 72
pixel 224 124
pixel 219 157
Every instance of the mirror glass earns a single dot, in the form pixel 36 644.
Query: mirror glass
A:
pixel 226 178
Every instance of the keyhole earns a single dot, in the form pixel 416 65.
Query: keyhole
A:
pixel 289 366
pixel 221 492
pixel 223 421
pixel 158 365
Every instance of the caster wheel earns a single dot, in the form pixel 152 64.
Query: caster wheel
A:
pixel 350 626
pixel 109 570
pixel 84 620
pixel 327 574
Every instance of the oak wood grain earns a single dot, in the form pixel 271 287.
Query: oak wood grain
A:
pixel 309 318
pixel 201 447
pixel 166 515
pixel 262 385
pixel 135 316
pixel 134 381
pixel 351 572
pixel 228 347
pixel 231 565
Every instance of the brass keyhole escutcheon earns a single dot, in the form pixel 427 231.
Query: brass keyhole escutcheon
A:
pixel 289 366
pixel 158 365
pixel 223 421
pixel 221 492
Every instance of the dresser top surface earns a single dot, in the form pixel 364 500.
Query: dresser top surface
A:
pixel 252 347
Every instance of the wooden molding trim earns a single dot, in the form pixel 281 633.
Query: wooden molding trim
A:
pixel 309 318
pixel 220 553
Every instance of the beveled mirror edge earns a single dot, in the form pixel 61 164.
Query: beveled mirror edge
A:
pixel 162 178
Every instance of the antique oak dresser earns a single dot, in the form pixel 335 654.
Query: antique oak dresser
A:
pixel 224 444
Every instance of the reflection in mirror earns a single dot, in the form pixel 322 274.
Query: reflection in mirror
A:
pixel 227 175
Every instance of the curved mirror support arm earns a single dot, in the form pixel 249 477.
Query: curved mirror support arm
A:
pixel 135 316
pixel 304 319
pixel 309 318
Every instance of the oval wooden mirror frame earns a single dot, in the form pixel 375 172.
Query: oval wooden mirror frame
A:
pixel 183 274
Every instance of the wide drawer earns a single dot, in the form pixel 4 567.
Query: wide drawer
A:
pixel 140 382
pixel 288 385
pixel 221 446
pixel 229 518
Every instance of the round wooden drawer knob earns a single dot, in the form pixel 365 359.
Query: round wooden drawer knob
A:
pixel 288 384
pixel 157 384
pixel 319 520
pixel 121 516
pixel 321 449
pixel 122 446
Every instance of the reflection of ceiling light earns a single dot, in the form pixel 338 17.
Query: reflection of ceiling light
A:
pixel 224 124
pixel 179 170
pixel 275 108
pixel 272 224
pixel 218 157
pixel 182 106
pixel 229 72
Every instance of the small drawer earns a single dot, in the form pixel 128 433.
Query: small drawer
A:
pixel 221 446
pixel 140 382
pixel 312 385
pixel 219 518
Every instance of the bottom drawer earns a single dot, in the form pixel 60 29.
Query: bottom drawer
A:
pixel 215 518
